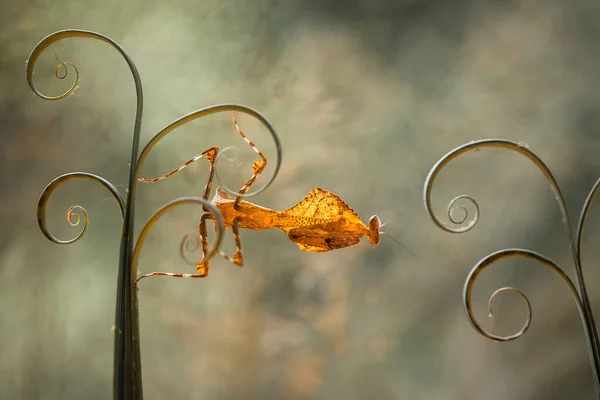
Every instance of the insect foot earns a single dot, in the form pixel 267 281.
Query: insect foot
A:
pixel 202 268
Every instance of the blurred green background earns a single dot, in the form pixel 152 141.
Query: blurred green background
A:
pixel 366 96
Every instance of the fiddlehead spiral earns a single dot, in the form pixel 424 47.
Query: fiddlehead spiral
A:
pixel 477 145
pixel 453 206
pixel 73 216
pixel 60 35
pixel 575 245
pixel 220 228
pixel 495 257
pixel 212 110
pixel 190 243
pixel 521 294
pixel 63 66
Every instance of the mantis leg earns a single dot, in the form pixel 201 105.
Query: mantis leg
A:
pixel 257 168
pixel 171 274
pixel 201 267
pixel 210 155
pixel 237 258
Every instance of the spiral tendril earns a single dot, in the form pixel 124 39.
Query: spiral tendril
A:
pixel 452 206
pixel 493 258
pixel 189 243
pixel 525 299
pixel 510 289
pixel 72 212
pixel 208 111
pixel 575 242
pixel 73 217
pixel 218 218
pixel 474 146
pixel 234 161
pixel 63 66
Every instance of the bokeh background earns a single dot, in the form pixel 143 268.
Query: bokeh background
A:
pixel 366 96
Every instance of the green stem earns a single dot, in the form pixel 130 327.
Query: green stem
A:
pixel 127 378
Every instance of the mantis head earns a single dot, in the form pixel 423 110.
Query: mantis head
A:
pixel 375 233
pixel 374 230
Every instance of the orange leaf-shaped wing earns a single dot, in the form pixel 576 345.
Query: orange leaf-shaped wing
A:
pixel 323 222
pixel 325 237
pixel 321 204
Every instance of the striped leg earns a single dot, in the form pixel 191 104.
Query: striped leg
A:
pixel 201 267
pixel 210 155
pixel 171 274
pixel 237 258
pixel 257 168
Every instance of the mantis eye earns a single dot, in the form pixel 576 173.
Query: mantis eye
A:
pixel 374 227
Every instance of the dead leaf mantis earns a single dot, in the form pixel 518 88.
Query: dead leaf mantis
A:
pixel 320 222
